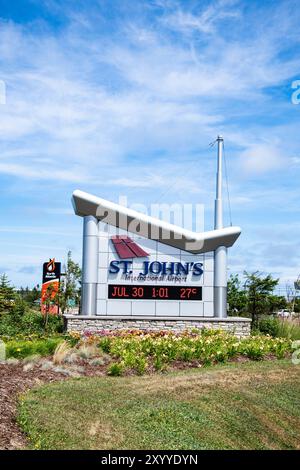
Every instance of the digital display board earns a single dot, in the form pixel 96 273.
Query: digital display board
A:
pixel 154 292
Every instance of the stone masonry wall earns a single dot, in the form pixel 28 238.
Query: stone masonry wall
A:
pixel 237 325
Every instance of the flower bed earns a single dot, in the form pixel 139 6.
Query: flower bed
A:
pixel 141 351
pixel 134 351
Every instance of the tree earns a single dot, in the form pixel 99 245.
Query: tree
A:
pixel 258 290
pixel 297 305
pixel 30 296
pixel 236 296
pixel 49 299
pixel 70 285
pixel 7 294
pixel 276 303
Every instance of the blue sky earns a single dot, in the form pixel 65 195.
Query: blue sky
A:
pixel 116 97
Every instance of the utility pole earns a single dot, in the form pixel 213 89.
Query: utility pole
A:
pixel 220 254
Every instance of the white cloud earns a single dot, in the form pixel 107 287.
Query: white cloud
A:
pixel 73 174
pixel 260 158
pixel 79 122
pixel 204 21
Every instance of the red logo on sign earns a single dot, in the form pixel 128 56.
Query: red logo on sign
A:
pixel 51 265
pixel 127 248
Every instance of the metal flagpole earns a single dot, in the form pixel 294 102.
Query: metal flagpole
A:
pixel 220 254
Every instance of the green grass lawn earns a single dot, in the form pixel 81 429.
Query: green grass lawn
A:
pixel 254 405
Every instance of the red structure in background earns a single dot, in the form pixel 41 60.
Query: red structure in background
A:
pixel 127 248
pixel 50 286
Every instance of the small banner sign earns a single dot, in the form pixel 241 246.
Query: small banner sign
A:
pixel 50 286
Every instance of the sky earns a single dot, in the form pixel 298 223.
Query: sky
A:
pixel 122 98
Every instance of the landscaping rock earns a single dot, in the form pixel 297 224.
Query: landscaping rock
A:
pixel 32 359
pixel 28 366
pixel 11 361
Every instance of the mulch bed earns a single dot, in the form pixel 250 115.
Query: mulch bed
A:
pixel 15 381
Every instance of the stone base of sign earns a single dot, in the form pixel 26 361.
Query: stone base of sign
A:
pixel 240 326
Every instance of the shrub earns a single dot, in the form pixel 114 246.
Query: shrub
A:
pixel 253 350
pixel 86 351
pixel 269 326
pixel 31 323
pixel 140 365
pixel 158 362
pixel 258 347
pixel 73 338
pixel 8 325
pixel 280 347
pixel 116 369
pixel 105 344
